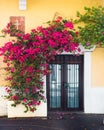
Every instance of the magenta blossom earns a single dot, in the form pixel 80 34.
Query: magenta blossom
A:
pixel 7 89
pixel 25 100
pixel 15 97
pixel 28 80
pixel 69 25
pixel 12 69
pixel 26 90
pixel 28 57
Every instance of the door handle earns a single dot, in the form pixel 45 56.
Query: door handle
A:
pixel 66 85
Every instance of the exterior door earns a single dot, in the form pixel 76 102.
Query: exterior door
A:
pixel 65 83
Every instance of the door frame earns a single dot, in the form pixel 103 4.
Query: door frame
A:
pixel 81 88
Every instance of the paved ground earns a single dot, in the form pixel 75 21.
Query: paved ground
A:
pixel 55 121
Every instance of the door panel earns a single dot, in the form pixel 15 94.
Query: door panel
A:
pixel 65 83
pixel 73 86
pixel 55 86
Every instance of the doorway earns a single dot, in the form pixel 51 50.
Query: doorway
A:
pixel 65 83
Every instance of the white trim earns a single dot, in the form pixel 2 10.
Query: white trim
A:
pixel 87 81
pixel 83 49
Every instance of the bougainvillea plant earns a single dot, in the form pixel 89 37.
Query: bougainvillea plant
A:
pixel 28 56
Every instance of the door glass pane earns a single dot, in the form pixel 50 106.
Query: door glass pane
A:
pixel 73 86
pixel 55 86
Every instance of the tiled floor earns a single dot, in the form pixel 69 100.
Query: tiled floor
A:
pixel 55 121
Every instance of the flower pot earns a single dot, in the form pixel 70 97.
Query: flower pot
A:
pixel 18 111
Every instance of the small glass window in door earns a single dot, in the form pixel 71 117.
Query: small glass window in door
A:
pixel 55 86
pixel 73 86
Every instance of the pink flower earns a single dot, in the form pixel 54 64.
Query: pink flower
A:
pixel 39 28
pixel 34 102
pixel 12 69
pixel 35 89
pixel 32 109
pixel 57 35
pixel 26 90
pixel 29 104
pixel 99 43
pixel 37 51
pixel 69 25
pixel 15 97
pixel 8 45
pixel 88 44
pixel 28 80
pixel 24 100
pixel 8 64
pixel 29 69
pixel 33 30
pixel 19 35
pixel 46 65
pixel 9 78
pixel 38 103
pixel 79 50
pixel 73 46
pixel 22 59
pixel 36 43
pixel 26 36
pixel 8 25
pixel 30 51
pixel 52 43
pixel 7 89
pixel 77 33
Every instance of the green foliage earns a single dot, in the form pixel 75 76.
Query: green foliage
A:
pixel 92 32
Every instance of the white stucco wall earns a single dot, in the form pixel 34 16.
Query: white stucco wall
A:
pixel 93 95
pixel 7 110
pixel 93 100
pixel 19 111
pixel 3 102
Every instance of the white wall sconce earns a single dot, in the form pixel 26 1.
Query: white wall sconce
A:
pixel 22 4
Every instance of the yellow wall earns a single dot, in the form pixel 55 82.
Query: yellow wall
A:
pixel 98 67
pixel 38 12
